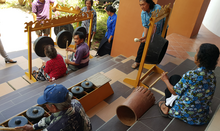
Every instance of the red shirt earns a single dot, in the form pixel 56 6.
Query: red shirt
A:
pixel 55 67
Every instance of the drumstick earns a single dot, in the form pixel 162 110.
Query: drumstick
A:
pixel 66 52
pixel 92 37
pixel 66 48
pixel 158 91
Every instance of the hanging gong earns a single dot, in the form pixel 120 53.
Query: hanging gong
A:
pixel 35 112
pixel 62 37
pixel 68 27
pixel 40 43
pixel 156 50
pixel 81 29
pixel 18 121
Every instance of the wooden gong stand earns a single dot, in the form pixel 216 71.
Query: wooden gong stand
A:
pixel 48 23
pixel 156 16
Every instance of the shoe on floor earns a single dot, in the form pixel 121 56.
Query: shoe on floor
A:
pixel 10 61
pixel 135 65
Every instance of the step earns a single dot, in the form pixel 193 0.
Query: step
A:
pixel 16 102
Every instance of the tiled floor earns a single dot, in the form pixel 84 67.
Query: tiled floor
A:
pixel 180 48
pixel 183 47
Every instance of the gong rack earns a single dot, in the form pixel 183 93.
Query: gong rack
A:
pixel 101 90
pixel 53 22
pixel 152 68
pixel 64 8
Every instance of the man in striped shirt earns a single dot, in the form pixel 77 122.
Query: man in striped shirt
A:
pixel 41 11
pixel 80 56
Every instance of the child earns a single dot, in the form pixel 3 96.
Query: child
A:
pixel 55 67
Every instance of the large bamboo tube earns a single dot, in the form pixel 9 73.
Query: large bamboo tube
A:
pixel 139 101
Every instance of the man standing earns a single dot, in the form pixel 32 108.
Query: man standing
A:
pixel 80 56
pixel 41 11
pixel 66 115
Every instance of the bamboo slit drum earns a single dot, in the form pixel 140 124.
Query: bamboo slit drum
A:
pixel 129 112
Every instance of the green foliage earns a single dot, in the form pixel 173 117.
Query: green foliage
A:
pixel 101 24
pixel 101 14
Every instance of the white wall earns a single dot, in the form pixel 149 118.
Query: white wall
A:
pixel 212 17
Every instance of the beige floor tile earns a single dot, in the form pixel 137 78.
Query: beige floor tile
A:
pixel 5 89
pixel 18 83
pixel 177 61
pixel 114 75
pixel 92 52
pixel 23 62
pixel 4 65
pixel 96 109
pixel 109 111
pixel 27 79
pixel 131 75
pixel 168 58
pixel 62 51
pixel 20 60
pixel 37 62
pixel 214 123
pixel 129 58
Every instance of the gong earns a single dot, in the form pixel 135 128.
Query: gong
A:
pixel 156 50
pixel 62 38
pixel 81 29
pixel 87 85
pixel 35 112
pixel 40 43
pixel 68 27
pixel 78 91
pixel 18 121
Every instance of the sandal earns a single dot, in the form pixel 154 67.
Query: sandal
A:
pixel 135 65
pixel 35 74
pixel 161 112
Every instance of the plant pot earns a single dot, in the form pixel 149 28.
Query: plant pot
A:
pixel 22 2
pixel 2 1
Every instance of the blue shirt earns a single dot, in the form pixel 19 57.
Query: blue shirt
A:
pixel 145 18
pixel 111 22
pixel 86 23
pixel 195 89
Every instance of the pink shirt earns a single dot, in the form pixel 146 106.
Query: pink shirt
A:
pixel 42 10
